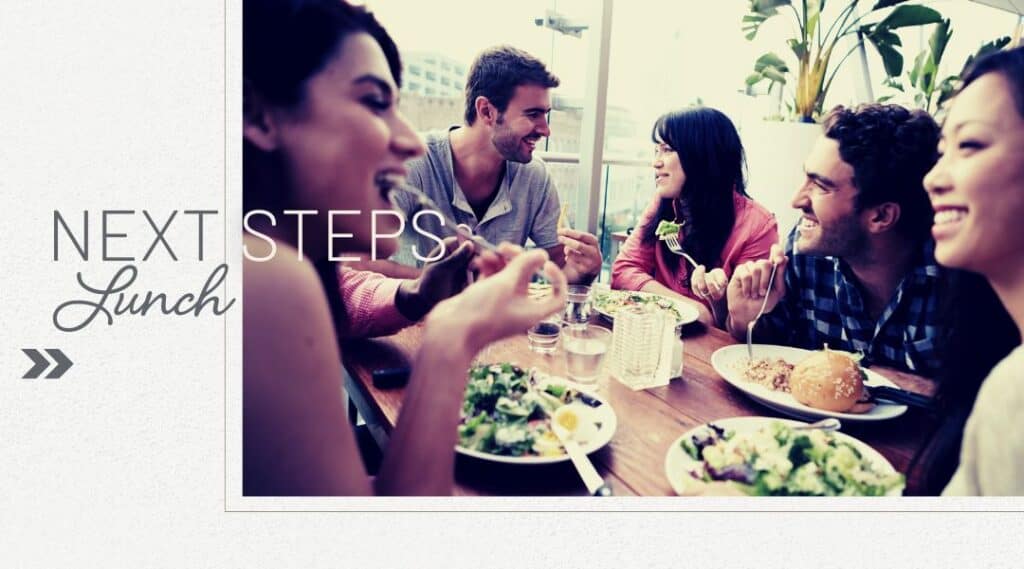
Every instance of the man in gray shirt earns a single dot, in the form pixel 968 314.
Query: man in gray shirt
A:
pixel 483 173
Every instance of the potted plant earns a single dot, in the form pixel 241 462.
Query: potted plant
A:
pixel 817 43
pixel 922 81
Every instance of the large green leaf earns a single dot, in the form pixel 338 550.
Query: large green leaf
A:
pixel 985 49
pixel 884 41
pixel 884 36
pixel 770 60
pixel 937 42
pixel 775 75
pixel 767 7
pixel 769 66
pixel 799 48
pixel 946 89
pixel 812 12
pixel 754 79
pixel 894 83
pixel 885 4
pixel 752 23
pixel 919 64
pixel 904 16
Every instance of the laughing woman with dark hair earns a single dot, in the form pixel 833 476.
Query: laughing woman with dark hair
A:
pixel 977 192
pixel 700 198
pixel 322 131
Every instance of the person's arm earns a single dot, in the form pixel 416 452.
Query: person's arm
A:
pixel 751 240
pixel 578 254
pixel 634 266
pixel 386 267
pixel 296 440
pixel 421 452
pixel 371 304
pixel 748 288
pixel 376 305
pixel 758 243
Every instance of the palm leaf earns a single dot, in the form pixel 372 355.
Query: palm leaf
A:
pixel 904 16
pixel 885 4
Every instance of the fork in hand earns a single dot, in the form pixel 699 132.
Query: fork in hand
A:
pixel 750 325
pixel 673 245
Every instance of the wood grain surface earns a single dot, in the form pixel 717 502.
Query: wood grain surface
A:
pixel 648 420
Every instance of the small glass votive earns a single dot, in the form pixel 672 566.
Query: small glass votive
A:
pixel 584 352
pixel 543 336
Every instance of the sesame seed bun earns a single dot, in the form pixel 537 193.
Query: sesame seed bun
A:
pixel 828 380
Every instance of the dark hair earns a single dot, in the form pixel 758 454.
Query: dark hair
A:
pixel 891 149
pixel 285 42
pixel 711 154
pixel 1009 64
pixel 496 73
pixel 979 331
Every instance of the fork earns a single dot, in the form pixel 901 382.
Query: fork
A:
pixel 423 201
pixel 764 303
pixel 673 245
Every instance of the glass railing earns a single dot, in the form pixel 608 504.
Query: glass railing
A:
pixel 627 188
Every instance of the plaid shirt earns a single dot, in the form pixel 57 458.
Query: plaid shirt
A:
pixel 823 304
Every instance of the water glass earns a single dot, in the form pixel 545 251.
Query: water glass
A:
pixel 543 336
pixel 584 351
pixel 577 306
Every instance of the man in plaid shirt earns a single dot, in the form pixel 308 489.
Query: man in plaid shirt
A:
pixel 858 271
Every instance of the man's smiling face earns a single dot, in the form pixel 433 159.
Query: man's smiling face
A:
pixel 831 224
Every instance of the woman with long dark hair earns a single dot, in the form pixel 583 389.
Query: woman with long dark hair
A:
pixel 700 198
pixel 977 192
pixel 322 132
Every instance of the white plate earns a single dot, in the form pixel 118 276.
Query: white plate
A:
pixel 687 312
pixel 728 362
pixel 678 464
pixel 603 414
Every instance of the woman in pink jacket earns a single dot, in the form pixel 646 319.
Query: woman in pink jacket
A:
pixel 699 187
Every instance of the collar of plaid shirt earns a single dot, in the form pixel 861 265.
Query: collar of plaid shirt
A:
pixel 824 304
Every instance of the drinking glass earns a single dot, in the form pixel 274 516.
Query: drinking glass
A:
pixel 543 336
pixel 584 351
pixel 577 306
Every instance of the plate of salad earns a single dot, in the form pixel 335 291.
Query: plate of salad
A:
pixel 608 303
pixel 507 412
pixel 764 456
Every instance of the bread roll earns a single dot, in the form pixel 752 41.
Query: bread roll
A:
pixel 827 380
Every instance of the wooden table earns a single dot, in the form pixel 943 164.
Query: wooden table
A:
pixel 648 421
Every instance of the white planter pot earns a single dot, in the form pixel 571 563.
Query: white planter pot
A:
pixel 775 156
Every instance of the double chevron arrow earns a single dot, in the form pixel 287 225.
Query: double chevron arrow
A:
pixel 40 363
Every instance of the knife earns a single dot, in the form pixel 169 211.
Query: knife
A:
pixel 591 479
pixel 894 395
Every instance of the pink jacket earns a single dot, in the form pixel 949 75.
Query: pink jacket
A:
pixel 638 263
pixel 369 300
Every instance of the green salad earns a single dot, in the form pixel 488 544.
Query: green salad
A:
pixel 778 461
pixel 667 229
pixel 502 415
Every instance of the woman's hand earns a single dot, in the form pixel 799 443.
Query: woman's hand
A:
pixel 709 285
pixel 498 305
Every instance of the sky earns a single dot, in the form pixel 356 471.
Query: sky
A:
pixel 664 53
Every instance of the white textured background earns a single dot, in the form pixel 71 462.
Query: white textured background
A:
pixel 120 104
